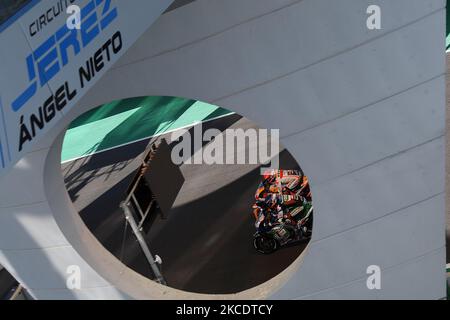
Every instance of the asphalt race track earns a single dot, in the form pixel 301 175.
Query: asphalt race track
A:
pixel 206 242
pixel 7 283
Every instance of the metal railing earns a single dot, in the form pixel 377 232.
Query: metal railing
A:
pixel 131 204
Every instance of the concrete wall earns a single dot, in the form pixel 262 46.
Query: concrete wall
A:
pixel 362 111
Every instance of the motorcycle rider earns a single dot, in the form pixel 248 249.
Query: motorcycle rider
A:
pixel 282 197
pixel 266 187
pixel 296 185
pixel 269 213
pixel 298 215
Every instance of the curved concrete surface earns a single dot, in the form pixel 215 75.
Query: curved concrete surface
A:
pixel 362 111
pixel 206 242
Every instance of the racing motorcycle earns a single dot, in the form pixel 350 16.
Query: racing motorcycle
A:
pixel 269 238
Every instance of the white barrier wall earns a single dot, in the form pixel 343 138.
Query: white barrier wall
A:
pixel 361 110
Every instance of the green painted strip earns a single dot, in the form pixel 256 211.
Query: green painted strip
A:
pixel 129 120
pixel 447 40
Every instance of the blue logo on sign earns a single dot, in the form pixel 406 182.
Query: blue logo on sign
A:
pixel 47 60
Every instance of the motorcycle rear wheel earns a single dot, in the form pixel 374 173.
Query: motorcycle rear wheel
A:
pixel 264 244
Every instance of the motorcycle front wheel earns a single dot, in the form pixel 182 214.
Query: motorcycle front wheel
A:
pixel 264 244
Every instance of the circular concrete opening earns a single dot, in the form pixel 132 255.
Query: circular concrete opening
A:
pixel 206 238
